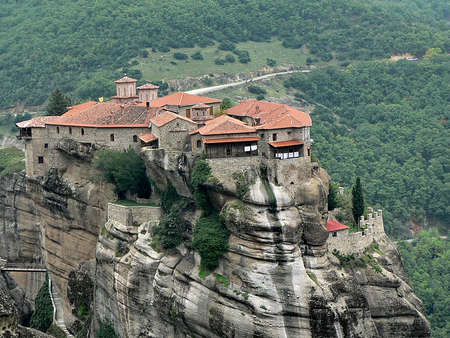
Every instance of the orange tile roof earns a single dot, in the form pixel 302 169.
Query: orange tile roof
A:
pixel 80 107
pixel 181 99
pixel 224 125
pixel 333 225
pixel 125 79
pixel 167 117
pixel 148 86
pixel 231 140
pixel 271 115
pixel 37 122
pixel 109 114
pixel 148 137
pixel 280 144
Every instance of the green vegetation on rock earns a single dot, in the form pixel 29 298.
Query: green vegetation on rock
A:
pixel 210 234
pixel 42 316
pixel 125 169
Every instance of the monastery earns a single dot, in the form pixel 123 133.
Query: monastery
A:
pixel 177 122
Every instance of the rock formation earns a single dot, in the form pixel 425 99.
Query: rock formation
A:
pixel 277 279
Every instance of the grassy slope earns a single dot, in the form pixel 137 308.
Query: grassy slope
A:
pixel 157 65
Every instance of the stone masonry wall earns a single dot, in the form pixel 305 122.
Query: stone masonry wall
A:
pixel 129 215
pixel 348 243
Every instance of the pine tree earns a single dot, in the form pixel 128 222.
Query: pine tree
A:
pixel 357 201
pixel 58 103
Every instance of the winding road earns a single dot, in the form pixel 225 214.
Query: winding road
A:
pixel 205 90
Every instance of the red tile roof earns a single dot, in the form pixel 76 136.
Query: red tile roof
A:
pixel 224 125
pixel 37 122
pixel 181 99
pixel 148 137
pixel 148 86
pixel 333 225
pixel 125 79
pixel 271 115
pixel 109 114
pixel 167 117
pixel 231 140
pixel 280 144
pixel 80 107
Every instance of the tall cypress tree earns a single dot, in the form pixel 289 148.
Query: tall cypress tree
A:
pixel 58 103
pixel 357 201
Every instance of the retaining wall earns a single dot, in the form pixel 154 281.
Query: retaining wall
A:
pixel 356 242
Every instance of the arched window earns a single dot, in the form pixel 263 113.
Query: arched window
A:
pixel 57 130
pixel 199 144
pixel 135 138
pixel 111 137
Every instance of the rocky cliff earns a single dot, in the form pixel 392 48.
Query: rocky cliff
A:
pixel 277 279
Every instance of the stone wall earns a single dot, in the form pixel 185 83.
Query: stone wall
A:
pixel 348 243
pixel 45 142
pixel 133 215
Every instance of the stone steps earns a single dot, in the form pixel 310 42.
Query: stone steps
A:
pixel 59 312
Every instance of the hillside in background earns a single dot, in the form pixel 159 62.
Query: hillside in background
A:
pixel 82 45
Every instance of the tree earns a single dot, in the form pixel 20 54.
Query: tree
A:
pixel 58 103
pixel 357 201
pixel 333 200
pixel 226 104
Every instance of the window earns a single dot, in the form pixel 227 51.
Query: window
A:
pixel 57 130
pixel 261 136
pixel 82 131
pixel 309 152
pixel 274 137
pixel 135 138
pixel 45 145
pixel 334 234
pixel 40 159
pixel 111 137
pixel 70 130
pixel 199 143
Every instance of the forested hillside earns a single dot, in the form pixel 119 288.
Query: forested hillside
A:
pixel 80 45
pixel 427 262
pixel 387 122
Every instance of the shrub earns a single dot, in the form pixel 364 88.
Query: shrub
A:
pixel 80 292
pixel 125 169
pixel 292 42
pixel 230 58
pixel 180 56
pixel 219 61
pixel 42 316
pixel 260 97
pixel 210 239
pixel 210 235
pixel 197 56
pixel 171 228
pixel 256 90
pixel 227 46
pixel 271 63
pixel 226 104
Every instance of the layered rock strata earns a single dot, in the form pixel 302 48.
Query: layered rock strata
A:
pixel 277 279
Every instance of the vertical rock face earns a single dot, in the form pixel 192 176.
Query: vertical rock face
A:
pixel 54 219
pixel 277 279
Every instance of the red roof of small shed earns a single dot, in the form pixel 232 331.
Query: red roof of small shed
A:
pixel 333 225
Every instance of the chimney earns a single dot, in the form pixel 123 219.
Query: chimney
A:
pixel 257 109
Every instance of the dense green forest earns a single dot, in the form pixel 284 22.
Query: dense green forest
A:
pixel 80 45
pixel 387 123
pixel 427 262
